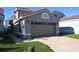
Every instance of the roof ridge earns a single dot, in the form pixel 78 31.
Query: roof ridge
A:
pixel 35 11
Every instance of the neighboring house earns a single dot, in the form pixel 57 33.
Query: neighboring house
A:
pixel 58 14
pixel 6 24
pixel 69 24
pixel 35 23
pixel 1 20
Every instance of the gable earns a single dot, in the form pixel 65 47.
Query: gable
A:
pixel 43 15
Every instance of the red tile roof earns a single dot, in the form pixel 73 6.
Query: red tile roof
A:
pixel 33 12
pixel 24 11
pixel 69 17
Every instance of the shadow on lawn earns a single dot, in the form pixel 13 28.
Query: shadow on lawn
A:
pixel 6 38
pixel 6 49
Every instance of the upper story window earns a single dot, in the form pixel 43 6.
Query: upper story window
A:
pixel 45 16
pixel 22 24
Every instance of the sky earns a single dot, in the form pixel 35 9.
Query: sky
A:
pixel 68 11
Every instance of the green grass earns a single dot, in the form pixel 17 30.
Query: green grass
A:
pixel 38 47
pixel 76 36
pixel 8 45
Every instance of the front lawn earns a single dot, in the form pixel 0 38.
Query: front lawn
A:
pixel 30 46
pixel 8 45
pixel 76 36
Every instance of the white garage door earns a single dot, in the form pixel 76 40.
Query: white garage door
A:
pixel 42 30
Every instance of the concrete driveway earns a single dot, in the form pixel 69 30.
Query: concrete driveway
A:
pixel 60 43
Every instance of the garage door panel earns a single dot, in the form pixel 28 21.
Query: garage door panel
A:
pixel 41 30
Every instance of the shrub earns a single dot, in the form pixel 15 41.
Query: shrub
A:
pixel 6 38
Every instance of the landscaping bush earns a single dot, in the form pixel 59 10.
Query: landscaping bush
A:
pixel 6 38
